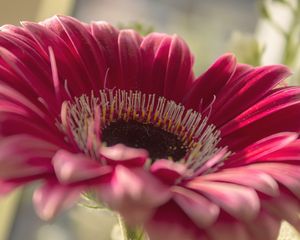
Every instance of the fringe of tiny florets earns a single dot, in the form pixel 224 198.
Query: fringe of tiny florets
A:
pixel 85 116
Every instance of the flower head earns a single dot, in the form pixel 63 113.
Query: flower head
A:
pixel 87 107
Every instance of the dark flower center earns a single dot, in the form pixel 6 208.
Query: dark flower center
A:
pixel 158 143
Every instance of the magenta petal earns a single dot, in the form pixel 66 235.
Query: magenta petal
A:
pixel 251 88
pixel 210 83
pixel 289 152
pixel 270 124
pixel 74 34
pixel 179 73
pixel 258 150
pixel 240 71
pixel 130 59
pixel 240 202
pixel 155 52
pixel 278 100
pixel 23 71
pixel 53 197
pixel 24 104
pixel 69 68
pixel 106 37
pixel 71 167
pixel 202 211
pixel 167 66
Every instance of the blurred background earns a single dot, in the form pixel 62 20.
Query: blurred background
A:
pixel 210 27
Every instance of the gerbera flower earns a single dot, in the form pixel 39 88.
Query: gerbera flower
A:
pixel 87 107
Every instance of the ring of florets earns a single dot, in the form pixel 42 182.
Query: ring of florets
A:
pixel 166 129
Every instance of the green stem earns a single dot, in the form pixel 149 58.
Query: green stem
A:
pixel 130 233
pixel 123 227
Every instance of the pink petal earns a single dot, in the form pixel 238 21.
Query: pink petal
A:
pixel 137 184
pixel 170 222
pixel 240 202
pixel 212 162
pixel 7 187
pixel 286 174
pixel 167 171
pixel 120 154
pixel 210 83
pixel 134 193
pixel 71 167
pixel 255 179
pixel 265 227
pixel 202 211
pixel 228 231
pixel 169 231
pixel 285 208
pixel 22 156
pixel 52 197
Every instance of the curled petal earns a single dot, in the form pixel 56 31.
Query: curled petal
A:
pixel 77 167
pixel 120 154
pixel 240 202
pixel 202 211
pixel 286 174
pixel 168 171
pixel 255 179
pixel 134 193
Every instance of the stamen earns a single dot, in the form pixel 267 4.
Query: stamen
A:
pixel 90 120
